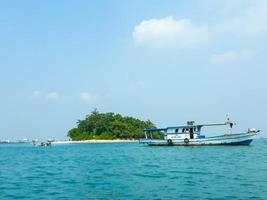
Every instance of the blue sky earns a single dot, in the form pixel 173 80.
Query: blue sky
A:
pixel 167 61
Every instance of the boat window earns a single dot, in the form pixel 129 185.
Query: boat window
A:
pixel 185 130
pixel 176 130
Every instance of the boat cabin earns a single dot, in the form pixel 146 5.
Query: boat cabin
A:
pixel 189 131
pixel 182 132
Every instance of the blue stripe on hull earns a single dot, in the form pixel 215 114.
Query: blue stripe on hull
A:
pixel 244 142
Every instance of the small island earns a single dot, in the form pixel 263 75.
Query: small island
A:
pixel 110 126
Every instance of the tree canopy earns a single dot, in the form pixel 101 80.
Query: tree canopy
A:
pixel 109 126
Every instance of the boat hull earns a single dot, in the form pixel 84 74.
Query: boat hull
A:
pixel 233 139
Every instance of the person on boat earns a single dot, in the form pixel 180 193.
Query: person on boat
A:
pixel 191 133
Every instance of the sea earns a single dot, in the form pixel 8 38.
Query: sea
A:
pixel 133 171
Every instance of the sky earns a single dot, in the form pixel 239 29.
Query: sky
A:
pixel 167 61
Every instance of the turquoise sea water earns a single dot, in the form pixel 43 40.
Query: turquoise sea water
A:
pixel 133 171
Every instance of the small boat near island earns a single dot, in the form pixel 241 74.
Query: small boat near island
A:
pixel 41 144
pixel 191 135
pixel 5 141
pixel 24 140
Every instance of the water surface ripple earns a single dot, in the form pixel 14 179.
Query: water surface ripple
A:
pixel 133 171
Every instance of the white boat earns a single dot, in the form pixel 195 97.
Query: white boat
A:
pixel 41 144
pixel 24 140
pixel 190 135
pixel 5 141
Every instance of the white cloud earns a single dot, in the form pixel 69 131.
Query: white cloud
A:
pixel 230 57
pixel 168 31
pixel 53 96
pixel 85 96
pixel 36 94
pixel 248 21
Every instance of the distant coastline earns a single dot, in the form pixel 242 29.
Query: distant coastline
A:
pixel 93 141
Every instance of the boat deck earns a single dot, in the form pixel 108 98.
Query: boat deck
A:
pixel 232 139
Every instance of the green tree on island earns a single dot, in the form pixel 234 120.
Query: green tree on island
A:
pixel 110 126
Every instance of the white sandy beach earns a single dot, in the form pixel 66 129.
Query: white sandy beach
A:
pixel 93 141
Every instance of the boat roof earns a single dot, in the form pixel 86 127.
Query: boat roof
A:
pixel 185 126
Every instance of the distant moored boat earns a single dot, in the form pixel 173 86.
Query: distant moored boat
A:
pixel 5 141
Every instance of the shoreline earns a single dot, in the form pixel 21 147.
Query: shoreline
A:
pixel 94 141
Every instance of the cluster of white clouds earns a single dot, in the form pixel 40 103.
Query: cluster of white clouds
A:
pixel 168 31
pixel 232 57
pixel 53 95
pixel 245 22
pixel 251 22
pixel 85 96
pixel 37 94
pixel 50 95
